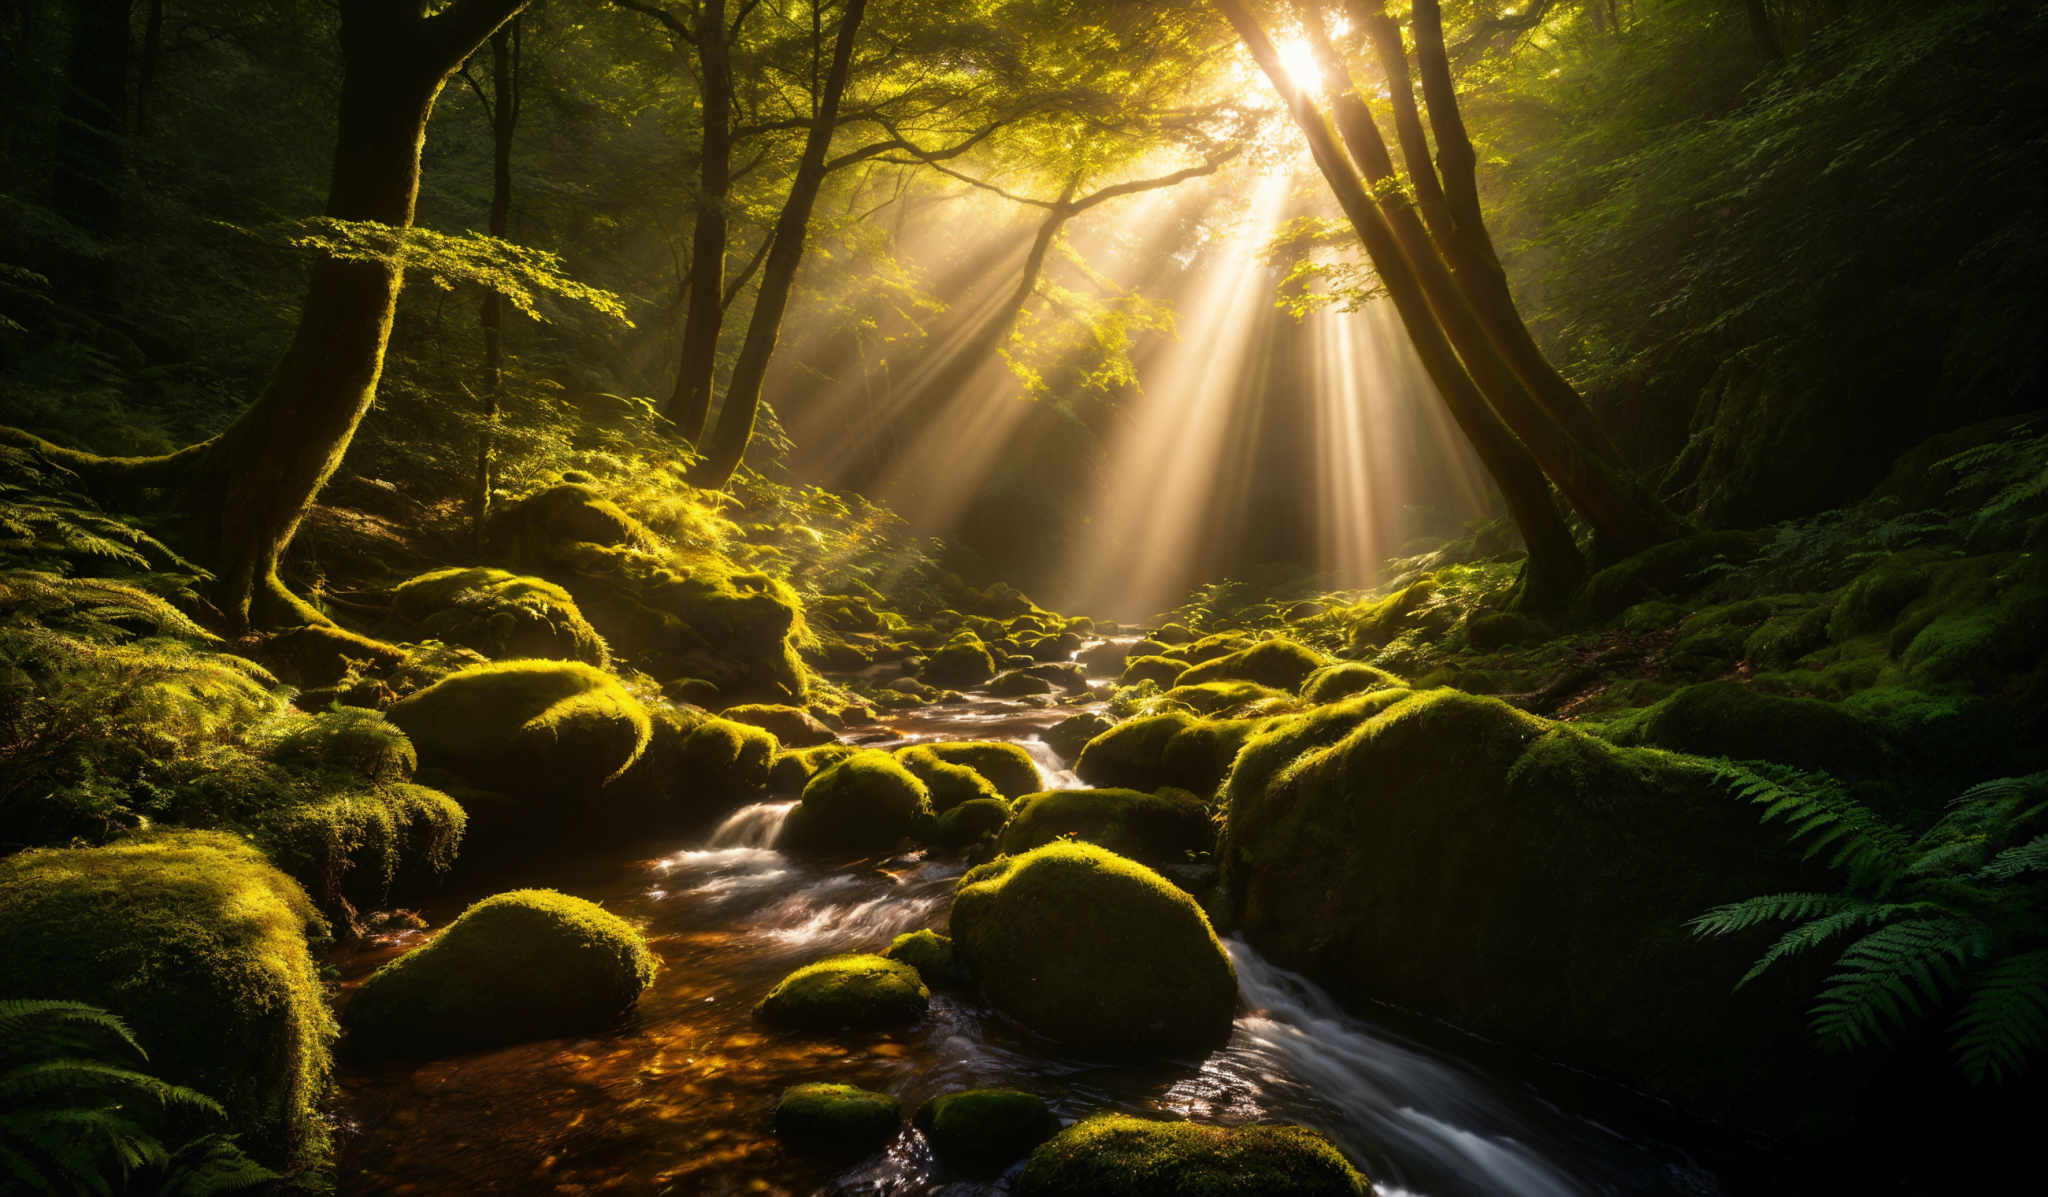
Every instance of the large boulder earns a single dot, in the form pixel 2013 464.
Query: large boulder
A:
pixel 1008 767
pixel 980 1132
pixel 864 804
pixel 696 770
pixel 530 729
pixel 961 661
pixel 529 964
pixel 497 613
pixel 1281 664
pixel 950 784
pixel 1129 755
pixel 1094 950
pixel 1446 852
pixel 1155 829
pixel 1117 1155
pixel 792 726
pixel 195 941
pixel 1730 719
pixel 857 992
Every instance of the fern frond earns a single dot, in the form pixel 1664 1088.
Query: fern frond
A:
pixel 2004 1019
pixel 2017 861
pixel 1812 934
pixel 32 1027
pixel 76 1080
pixel 211 1164
pixel 1768 908
pixel 1889 979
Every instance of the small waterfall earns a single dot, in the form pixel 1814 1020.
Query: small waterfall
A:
pixel 753 826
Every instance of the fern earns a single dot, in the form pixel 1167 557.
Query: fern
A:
pixel 77 1116
pixel 1958 916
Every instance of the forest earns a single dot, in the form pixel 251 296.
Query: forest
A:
pixel 1071 598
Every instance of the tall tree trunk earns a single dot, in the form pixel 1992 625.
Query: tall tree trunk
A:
pixel 505 47
pixel 690 402
pixel 728 442
pixel 246 491
pixel 1554 567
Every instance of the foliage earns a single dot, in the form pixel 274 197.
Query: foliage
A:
pixel 1952 919
pixel 78 1116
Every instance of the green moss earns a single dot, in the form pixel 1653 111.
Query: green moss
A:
pixel 1103 660
pixel 1117 1155
pixel 1063 675
pixel 1983 645
pixel 1007 766
pixel 1491 631
pixel 538 527
pixel 980 1132
pixel 1131 755
pixel 1154 829
pixel 1162 671
pixel 1200 756
pixel 961 661
pixel 1730 719
pixel 837 1121
pixel 929 952
pixel 792 726
pixel 1172 633
pixel 1873 601
pixel 201 946
pixel 1070 735
pixel 1378 623
pixel 497 613
pixel 970 823
pixel 323 654
pixel 1670 570
pixel 360 745
pixel 1276 747
pixel 1652 615
pixel 527 728
pixel 865 803
pixel 1344 679
pixel 1281 664
pixel 1214 647
pixel 528 964
pixel 1094 950
pixel 857 992
pixel 1786 637
pixel 792 769
pixel 1016 683
pixel 350 849
pixel 950 784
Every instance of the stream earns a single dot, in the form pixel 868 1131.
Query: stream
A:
pixel 679 1101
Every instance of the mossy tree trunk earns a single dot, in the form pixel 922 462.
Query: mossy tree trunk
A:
pixel 690 404
pixel 728 441
pixel 1554 567
pixel 239 497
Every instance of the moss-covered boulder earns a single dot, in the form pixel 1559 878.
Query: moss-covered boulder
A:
pixel 1728 718
pixel 1070 735
pixel 1281 664
pixel 1105 659
pixel 981 1132
pixel 1232 698
pixel 969 824
pixel 1117 1155
pixel 1160 671
pixel 855 992
pixel 1154 829
pixel 1172 633
pixel 1008 767
pixel 929 952
pixel 1673 569
pixel 201 947
pixel 1128 756
pixel 961 661
pixel 793 727
pixel 498 613
pixel 1447 852
pixel 1094 950
pixel 527 728
pixel 1016 683
pixel 528 964
pixel 863 804
pixel 696 770
pixel 836 1121
pixel 792 770
pixel 1200 755
pixel 950 784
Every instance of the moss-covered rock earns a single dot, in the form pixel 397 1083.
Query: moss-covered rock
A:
pixel 1016 683
pixel 1231 698
pixel 1094 950
pixel 727 761
pixel 791 726
pixel 201 947
pixel 528 964
pixel 837 1121
pixel 1490 631
pixel 929 952
pixel 969 823
pixel 1161 671
pixel 1129 755
pixel 1281 664
pixel 1061 675
pixel 792 770
pixel 351 847
pixel 1117 1155
pixel 1378 622
pixel 323 654
pixel 527 728
pixel 1172 633
pixel 1200 756
pixel 1333 682
pixel 981 1132
pixel 949 784
pixel 1728 718
pixel 961 661
pixel 857 992
pixel 1070 735
pixel 865 803
pixel 1008 767
pixel 498 613
pixel 1154 829
pixel 1103 660
pixel 1562 868
pixel 1670 570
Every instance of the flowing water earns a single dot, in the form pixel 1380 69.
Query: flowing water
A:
pixel 679 1101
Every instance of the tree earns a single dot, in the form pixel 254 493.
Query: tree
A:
pixel 501 108
pixel 238 498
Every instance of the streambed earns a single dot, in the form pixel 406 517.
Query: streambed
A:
pixel 679 1102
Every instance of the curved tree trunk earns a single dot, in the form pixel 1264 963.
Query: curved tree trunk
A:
pixel 504 114
pixel 691 401
pixel 735 428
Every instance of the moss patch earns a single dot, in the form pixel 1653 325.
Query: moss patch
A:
pixel 793 769
pixel 527 728
pixel 857 992
pixel 528 964
pixel 963 661
pixel 1345 679
pixel 980 1132
pixel 1130 755
pixel 1116 1155
pixel 791 726
pixel 1009 768
pixel 969 823
pixel 865 803
pixel 1094 950
pixel 838 1121
pixel 929 952
pixel 950 784
pixel 499 614
pixel 1281 664
pixel 1154 829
